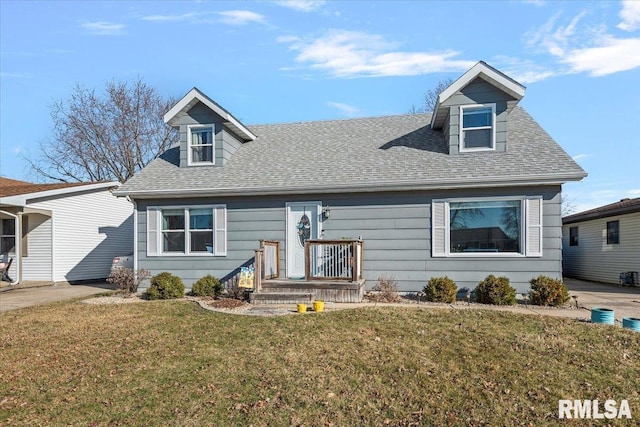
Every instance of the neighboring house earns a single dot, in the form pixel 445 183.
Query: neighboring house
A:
pixel 601 243
pixel 62 232
pixel 408 185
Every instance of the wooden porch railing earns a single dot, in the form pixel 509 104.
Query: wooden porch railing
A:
pixel 333 260
pixel 267 263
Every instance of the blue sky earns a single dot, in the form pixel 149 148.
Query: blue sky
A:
pixel 284 61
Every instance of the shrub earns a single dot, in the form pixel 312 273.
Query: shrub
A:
pixel 386 290
pixel 207 286
pixel 232 290
pixel 127 279
pixel 440 289
pixel 495 290
pixel 165 286
pixel 548 291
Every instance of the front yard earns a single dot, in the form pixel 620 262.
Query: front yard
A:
pixel 172 363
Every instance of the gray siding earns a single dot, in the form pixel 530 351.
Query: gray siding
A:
pixel 593 259
pixel 225 142
pixel 477 92
pixel 395 227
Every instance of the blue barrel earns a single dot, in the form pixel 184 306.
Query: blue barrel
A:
pixel 632 323
pixel 602 315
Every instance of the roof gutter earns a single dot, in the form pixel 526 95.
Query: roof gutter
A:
pixel 21 200
pixel 579 217
pixel 373 187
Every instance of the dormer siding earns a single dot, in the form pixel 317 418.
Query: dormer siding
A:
pixel 225 142
pixel 477 92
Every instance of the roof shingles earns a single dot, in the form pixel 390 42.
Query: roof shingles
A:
pixel 365 153
pixel 13 187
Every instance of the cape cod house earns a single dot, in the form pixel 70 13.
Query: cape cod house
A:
pixel 62 232
pixel 469 190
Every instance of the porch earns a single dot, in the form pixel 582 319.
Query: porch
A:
pixel 332 273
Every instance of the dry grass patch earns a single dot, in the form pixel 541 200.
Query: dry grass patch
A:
pixel 172 363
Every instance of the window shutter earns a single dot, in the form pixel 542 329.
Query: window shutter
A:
pixel 220 214
pixel 534 227
pixel 153 233
pixel 438 229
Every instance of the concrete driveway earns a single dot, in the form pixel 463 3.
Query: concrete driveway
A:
pixel 623 300
pixel 13 299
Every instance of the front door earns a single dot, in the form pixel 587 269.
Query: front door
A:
pixel 302 224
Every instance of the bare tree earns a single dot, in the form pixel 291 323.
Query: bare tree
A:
pixel 567 205
pixel 431 97
pixel 105 137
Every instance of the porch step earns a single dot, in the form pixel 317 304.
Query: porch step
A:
pixel 281 297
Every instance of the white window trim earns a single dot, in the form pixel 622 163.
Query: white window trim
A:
pixel 523 228
pixel 187 238
pixel 211 126
pixel 463 149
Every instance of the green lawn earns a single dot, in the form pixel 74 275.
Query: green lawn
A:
pixel 173 363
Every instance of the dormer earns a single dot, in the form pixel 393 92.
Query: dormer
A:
pixel 209 134
pixel 473 111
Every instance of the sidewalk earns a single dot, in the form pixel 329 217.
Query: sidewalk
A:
pixel 26 297
pixel 624 300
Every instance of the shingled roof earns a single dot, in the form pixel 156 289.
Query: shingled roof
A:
pixel 14 187
pixel 618 208
pixel 365 154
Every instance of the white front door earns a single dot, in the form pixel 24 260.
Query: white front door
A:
pixel 302 224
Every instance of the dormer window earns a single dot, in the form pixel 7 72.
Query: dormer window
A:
pixel 478 127
pixel 200 139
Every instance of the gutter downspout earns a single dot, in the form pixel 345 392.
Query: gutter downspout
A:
pixel 18 238
pixel 135 234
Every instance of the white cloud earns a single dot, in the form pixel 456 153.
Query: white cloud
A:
pixel 630 15
pixel 15 75
pixel 230 17
pixel 590 50
pixel 101 28
pixel 241 17
pixel 345 109
pixel 287 39
pixel 535 2
pixel 172 18
pixel 611 56
pixel 349 54
pixel 635 192
pixel 580 157
pixel 301 5
pixel 554 40
pixel 524 71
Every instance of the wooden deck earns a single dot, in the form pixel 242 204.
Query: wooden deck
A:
pixel 291 290
pixel 333 273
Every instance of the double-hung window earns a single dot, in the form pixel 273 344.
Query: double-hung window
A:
pixel 198 230
pixel 613 232
pixel 502 226
pixel 7 235
pixel 573 236
pixel 201 144
pixel 477 127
